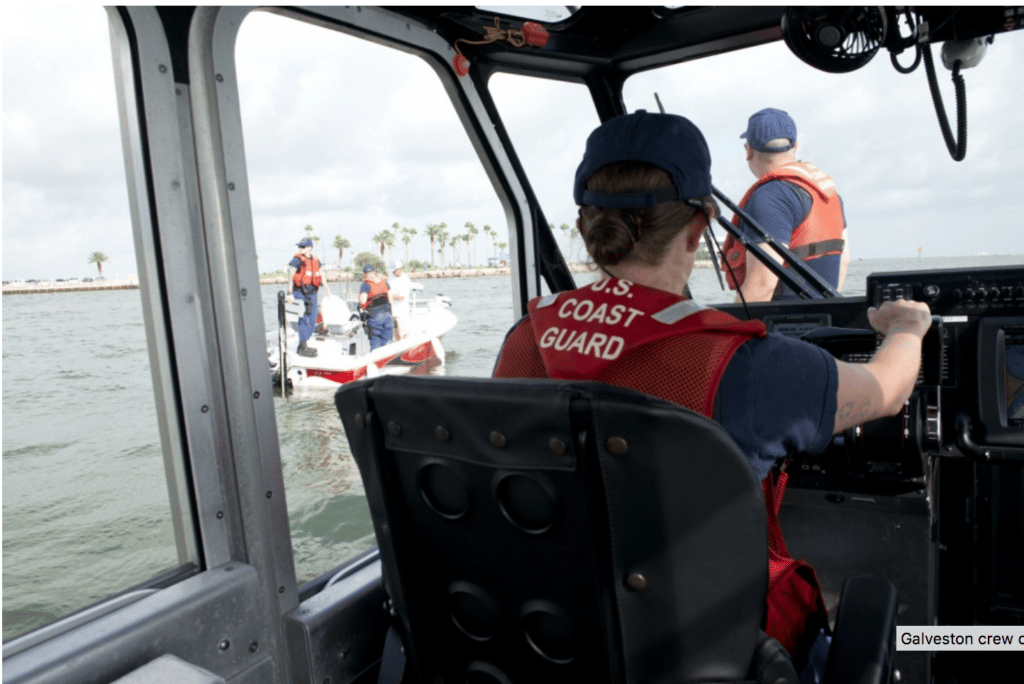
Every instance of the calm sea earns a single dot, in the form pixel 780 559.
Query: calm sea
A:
pixel 85 504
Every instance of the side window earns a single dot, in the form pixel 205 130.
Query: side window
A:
pixel 86 510
pixel 358 148
pixel 550 153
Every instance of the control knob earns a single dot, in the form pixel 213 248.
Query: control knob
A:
pixel 931 291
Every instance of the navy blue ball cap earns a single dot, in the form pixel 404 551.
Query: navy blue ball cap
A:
pixel 770 124
pixel 668 141
pixel 368 267
pixel 306 242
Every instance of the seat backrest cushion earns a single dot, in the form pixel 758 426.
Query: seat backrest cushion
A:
pixel 535 530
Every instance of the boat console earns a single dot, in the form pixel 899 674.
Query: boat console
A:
pixel 969 400
pixel 931 496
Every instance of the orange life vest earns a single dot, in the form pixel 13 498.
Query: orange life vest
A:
pixel 378 295
pixel 308 272
pixel 820 234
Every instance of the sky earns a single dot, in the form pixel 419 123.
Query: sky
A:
pixel 350 137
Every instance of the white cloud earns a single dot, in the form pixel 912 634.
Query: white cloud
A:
pixel 351 137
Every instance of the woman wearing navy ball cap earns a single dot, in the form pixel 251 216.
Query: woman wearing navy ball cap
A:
pixel 644 192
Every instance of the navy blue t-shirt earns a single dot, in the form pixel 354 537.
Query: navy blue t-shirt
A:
pixel 777 398
pixel 779 207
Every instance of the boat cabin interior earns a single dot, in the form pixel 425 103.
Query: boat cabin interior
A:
pixel 518 504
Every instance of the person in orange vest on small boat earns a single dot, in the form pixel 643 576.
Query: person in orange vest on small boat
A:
pixel 375 301
pixel 797 205
pixel 644 192
pixel 304 270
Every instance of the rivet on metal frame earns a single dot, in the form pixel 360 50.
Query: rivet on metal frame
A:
pixel 636 581
pixel 617 446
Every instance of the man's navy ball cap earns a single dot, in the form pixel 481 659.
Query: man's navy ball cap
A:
pixel 668 141
pixel 770 124
pixel 305 242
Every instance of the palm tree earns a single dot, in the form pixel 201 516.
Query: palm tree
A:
pixel 456 239
pixel 470 237
pixel 98 258
pixel 443 239
pixel 407 235
pixel 341 244
pixel 384 238
pixel 494 238
pixel 434 231
pixel 389 241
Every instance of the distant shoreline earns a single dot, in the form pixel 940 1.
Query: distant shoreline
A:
pixel 333 276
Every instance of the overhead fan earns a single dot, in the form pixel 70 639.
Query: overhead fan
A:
pixel 834 39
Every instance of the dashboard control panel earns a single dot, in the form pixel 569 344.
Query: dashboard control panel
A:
pixel 969 397
pixel 997 290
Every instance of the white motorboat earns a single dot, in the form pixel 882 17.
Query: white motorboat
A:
pixel 342 344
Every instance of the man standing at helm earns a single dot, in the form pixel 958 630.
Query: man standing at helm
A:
pixel 795 202
pixel 304 270
pixel 401 290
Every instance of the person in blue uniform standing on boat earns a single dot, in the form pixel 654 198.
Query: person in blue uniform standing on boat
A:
pixel 644 191
pixel 375 301
pixel 304 270
pixel 795 202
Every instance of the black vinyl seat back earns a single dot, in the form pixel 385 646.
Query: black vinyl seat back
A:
pixel 543 531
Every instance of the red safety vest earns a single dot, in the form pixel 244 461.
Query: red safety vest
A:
pixel 820 234
pixel 378 290
pixel 652 341
pixel 308 272
pixel 628 335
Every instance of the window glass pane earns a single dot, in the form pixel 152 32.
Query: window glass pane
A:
pixel 85 502
pixel 351 144
pixel 907 204
pixel 548 122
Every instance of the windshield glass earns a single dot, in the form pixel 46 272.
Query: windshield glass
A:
pixel 875 132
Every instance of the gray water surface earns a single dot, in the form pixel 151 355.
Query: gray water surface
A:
pixel 85 504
